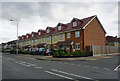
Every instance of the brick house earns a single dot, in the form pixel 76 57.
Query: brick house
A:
pixel 72 36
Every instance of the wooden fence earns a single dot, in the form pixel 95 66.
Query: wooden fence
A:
pixel 103 50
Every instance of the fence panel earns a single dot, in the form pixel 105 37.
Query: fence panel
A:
pixel 104 50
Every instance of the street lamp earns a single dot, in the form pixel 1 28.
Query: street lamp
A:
pixel 17 32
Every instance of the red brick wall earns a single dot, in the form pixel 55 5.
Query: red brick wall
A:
pixel 94 34
pixel 76 39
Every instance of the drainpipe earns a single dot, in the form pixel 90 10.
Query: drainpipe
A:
pixel 51 41
pixel 83 38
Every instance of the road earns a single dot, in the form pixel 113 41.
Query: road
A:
pixel 27 67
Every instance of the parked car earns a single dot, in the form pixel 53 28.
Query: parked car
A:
pixel 41 51
pixel 49 51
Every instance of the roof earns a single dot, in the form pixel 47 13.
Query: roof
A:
pixel 111 39
pixel 68 42
pixel 69 26
pixel 42 44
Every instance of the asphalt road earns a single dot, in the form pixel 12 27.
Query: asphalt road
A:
pixel 27 67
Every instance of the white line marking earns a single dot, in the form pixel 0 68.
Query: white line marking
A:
pixel 72 74
pixel 116 69
pixel 31 64
pixel 106 68
pixel 59 75
pixel 38 67
pixel 86 66
pixel 94 67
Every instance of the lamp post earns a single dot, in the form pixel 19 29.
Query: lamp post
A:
pixel 17 33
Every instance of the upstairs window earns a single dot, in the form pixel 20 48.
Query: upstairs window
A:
pixel 54 37
pixel 43 39
pixel 36 40
pixel 27 36
pixel 39 33
pixel 59 27
pixel 77 34
pixel 61 36
pixel 74 24
pixel 68 35
pixel 32 35
pixel 48 38
pixel 48 31
pixel 39 40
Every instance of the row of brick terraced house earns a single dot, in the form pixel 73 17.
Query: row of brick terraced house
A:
pixel 75 35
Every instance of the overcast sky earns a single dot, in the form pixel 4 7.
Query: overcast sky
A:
pixel 38 15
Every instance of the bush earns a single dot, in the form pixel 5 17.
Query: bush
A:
pixel 59 52
pixel 26 52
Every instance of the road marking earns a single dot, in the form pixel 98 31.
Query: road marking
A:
pixel 106 68
pixel 86 66
pixel 72 74
pixel 59 75
pixel 116 69
pixel 94 67
pixel 78 65
pixel 24 64
pixel 38 67
pixel 66 63
pixel 31 64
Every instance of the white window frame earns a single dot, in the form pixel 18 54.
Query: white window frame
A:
pixel 36 40
pixel 39 40
pixel 75 24
pixel 55 38
pixel 77 33
pixel 27 36
pixel 77 46
pixel 59 27
pixel 32 41
pixel 48 30
pixel 43 39
pixel 32 34
pixel 68 35
pixel 48 38
pixel 39 33
pixel 61 36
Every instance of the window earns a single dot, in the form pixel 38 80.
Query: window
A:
pixel 22 37
pixel 32 35
pixel 68 35
pixel 77 34
pixel 48 46
pixel 74 24
pixel 36 40
pixel 39 40
pixel 78 46
pixel 55 47
pixel 48 38
pixel 39 33
pixel 54 37
pixel 27 36
pixel 29 42
pixel 59 27
pixel 32 41
pixel 61 36
pixel 43 39
pixel 47 30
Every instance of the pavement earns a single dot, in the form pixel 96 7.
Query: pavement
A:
pixel 74 58
pixel 28 67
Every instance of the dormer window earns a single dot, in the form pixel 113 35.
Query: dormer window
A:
pixel 32 35
pixel 74 24
pixel 39 33
pixel 48 31
pixel 27 36
pixel 59 27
